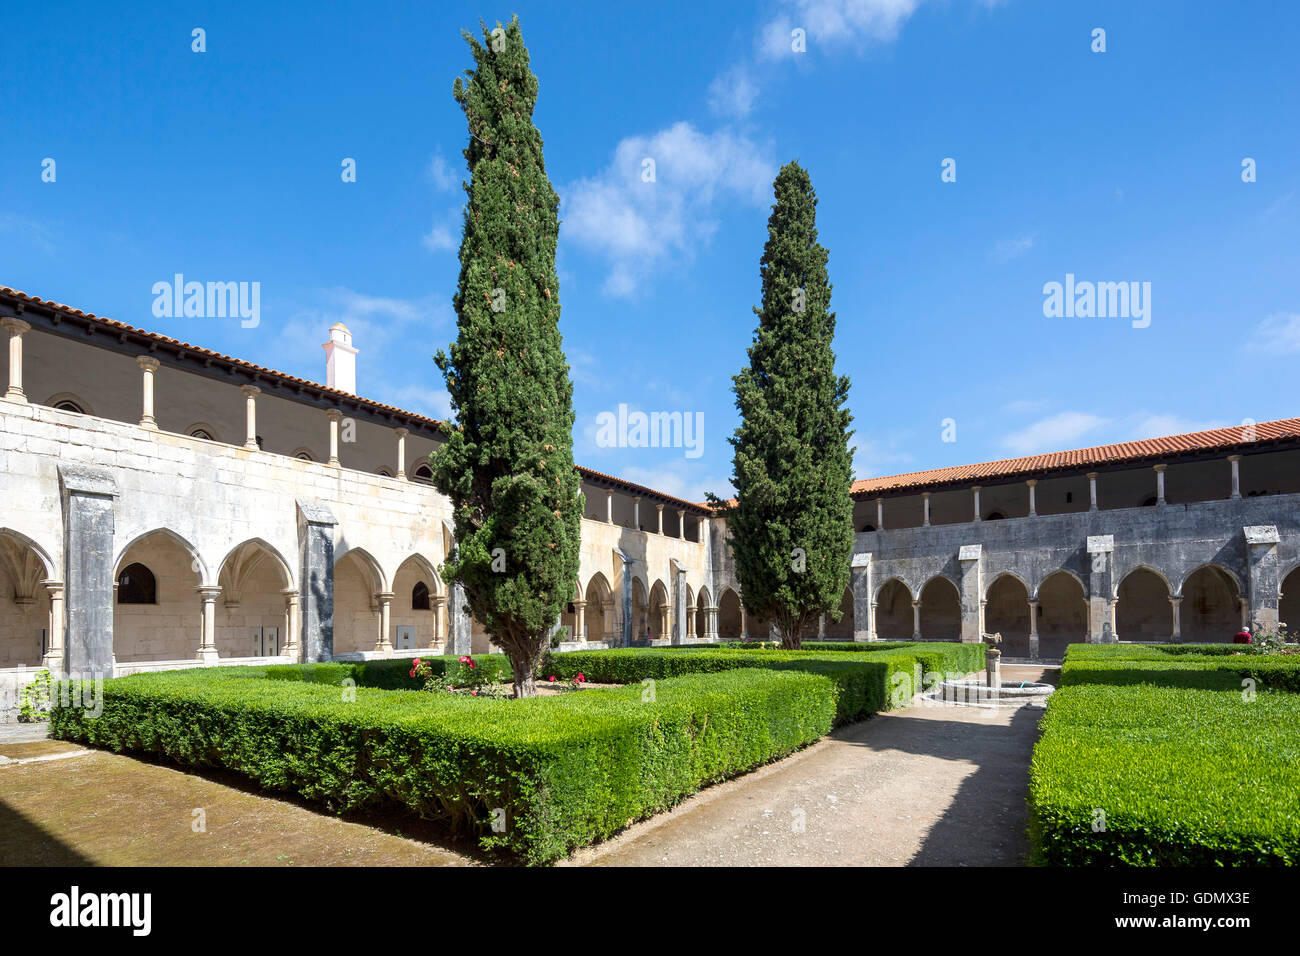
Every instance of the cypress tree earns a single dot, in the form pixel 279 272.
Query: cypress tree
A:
pixel 791 528
pixel 507 463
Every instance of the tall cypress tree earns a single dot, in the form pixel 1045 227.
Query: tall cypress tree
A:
pixel 791 528
pixel 507 464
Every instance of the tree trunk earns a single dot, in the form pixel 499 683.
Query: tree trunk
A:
pixel 791 634
pixel 524 653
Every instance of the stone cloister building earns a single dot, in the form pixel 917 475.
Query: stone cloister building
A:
pixel 163 505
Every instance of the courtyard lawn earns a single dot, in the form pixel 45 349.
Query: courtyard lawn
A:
pixel 1182 756
pixel 534 778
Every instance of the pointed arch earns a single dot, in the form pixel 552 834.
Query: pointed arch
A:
pixel 243 559
pixel 1143 611
pixel 44 556
pixel 940 616
pixel 198 565
pixel 423 567
pixel 1006 612
pixel 895 620
pixel 988 589
pixel 367 561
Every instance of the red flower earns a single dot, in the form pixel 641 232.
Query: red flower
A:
pixel 473 693
pixel 552 678
pixel 415 663
pixel 581 679
pixel 412 671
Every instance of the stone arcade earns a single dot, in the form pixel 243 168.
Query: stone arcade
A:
pixel 163 505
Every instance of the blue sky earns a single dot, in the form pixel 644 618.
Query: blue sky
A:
pixel 1117 166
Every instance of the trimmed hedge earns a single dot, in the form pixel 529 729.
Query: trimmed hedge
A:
pixel 1187 769
pixel 567 770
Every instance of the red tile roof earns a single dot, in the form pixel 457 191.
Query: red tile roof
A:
pixel 1225 440
pixel 347 397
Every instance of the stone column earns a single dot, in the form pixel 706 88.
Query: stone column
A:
pixel 401 452
pixel 461 623
pixel 580 620
pixel 690 621
pixel 1176 603
pixel 1236 475
pixel 439 604
pixel 87 496
pixel 385 642
pixel 53 658
pixel 1033 507
pixel 744 623
pixel 316 540
pixel 1160 483
pixel 1264 578
pixel 678 606
pixel 821 627
pixel 147 366
pixel 15 328
pixel 659 527
pixel 1033 629
pixel 290 646
pixel 925 502
pixel 607 621
pixel 609 507
pixel 626 610
pixel 250 415
pixel 976 490
pixel 875 609
pixel 860 580
pixel 970 559
pixel 681 525
pixel 636 512
pixel 1101 549
pixel 1092 491
pixel 880 514
pixel 916 619
pixel 208 625
pixel 334 415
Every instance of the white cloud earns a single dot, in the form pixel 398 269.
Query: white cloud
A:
pixel 1007 249
pixel 1279 334
pixel 432 402
pixel 1158 426
pixel 733 92
pixel 440 239
pixel 26 231
pixel 680 482
pixel 442 175
pixel 636 224
pixel 831 24
pixel 1056 433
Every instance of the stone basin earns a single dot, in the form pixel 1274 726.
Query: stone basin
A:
pixel 1009 693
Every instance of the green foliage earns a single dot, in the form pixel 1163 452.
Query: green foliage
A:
pixel 791 529
pixel 1164 746
pixel 567 770
pixel 34 703
pixel 507 465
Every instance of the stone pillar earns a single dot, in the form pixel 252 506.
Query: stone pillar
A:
pixel 1101 549
pixel 334 415
pixel 208 625
pixel 880 514
pixel 609 507
pixel 636 512
pixel 87 500
pixel 15 328
pixel 860 580
pixel 821 627
pixel 461 622
pixel 659 528
pixel 385 599
pixel 607 620
pixel 976 490
pixel 875 609
pixel 1033 507
pixel 678 608
pixel 744 623
pixel 1236 475
pixel 711 622
pixel 627 636
pixel 690 621
pixel 53 657
pixel 439 604
pixel 1264 580
pixel 1033 629
pixel 970 559
pixel 916 619
pixel 925 502
pixel 1092 491
pixel 290 646
pixel 1176 603
pixel 147 366
pixel 1160 483
pixel 316 540
pixel 681 525
pixel 401 452
pixel 579 620
pixel 250 415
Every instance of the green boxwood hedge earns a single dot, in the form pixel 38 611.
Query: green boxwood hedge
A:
pixel 1153 758
pixel 565 770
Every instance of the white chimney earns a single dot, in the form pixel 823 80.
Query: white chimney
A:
pixel 340 360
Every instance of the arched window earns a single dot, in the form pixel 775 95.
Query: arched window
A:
pixel 136 585
pixel 995 516
pixel 424 473
pixel 70 406
pixel 304 456
pixel 420 597
pixel 868 527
